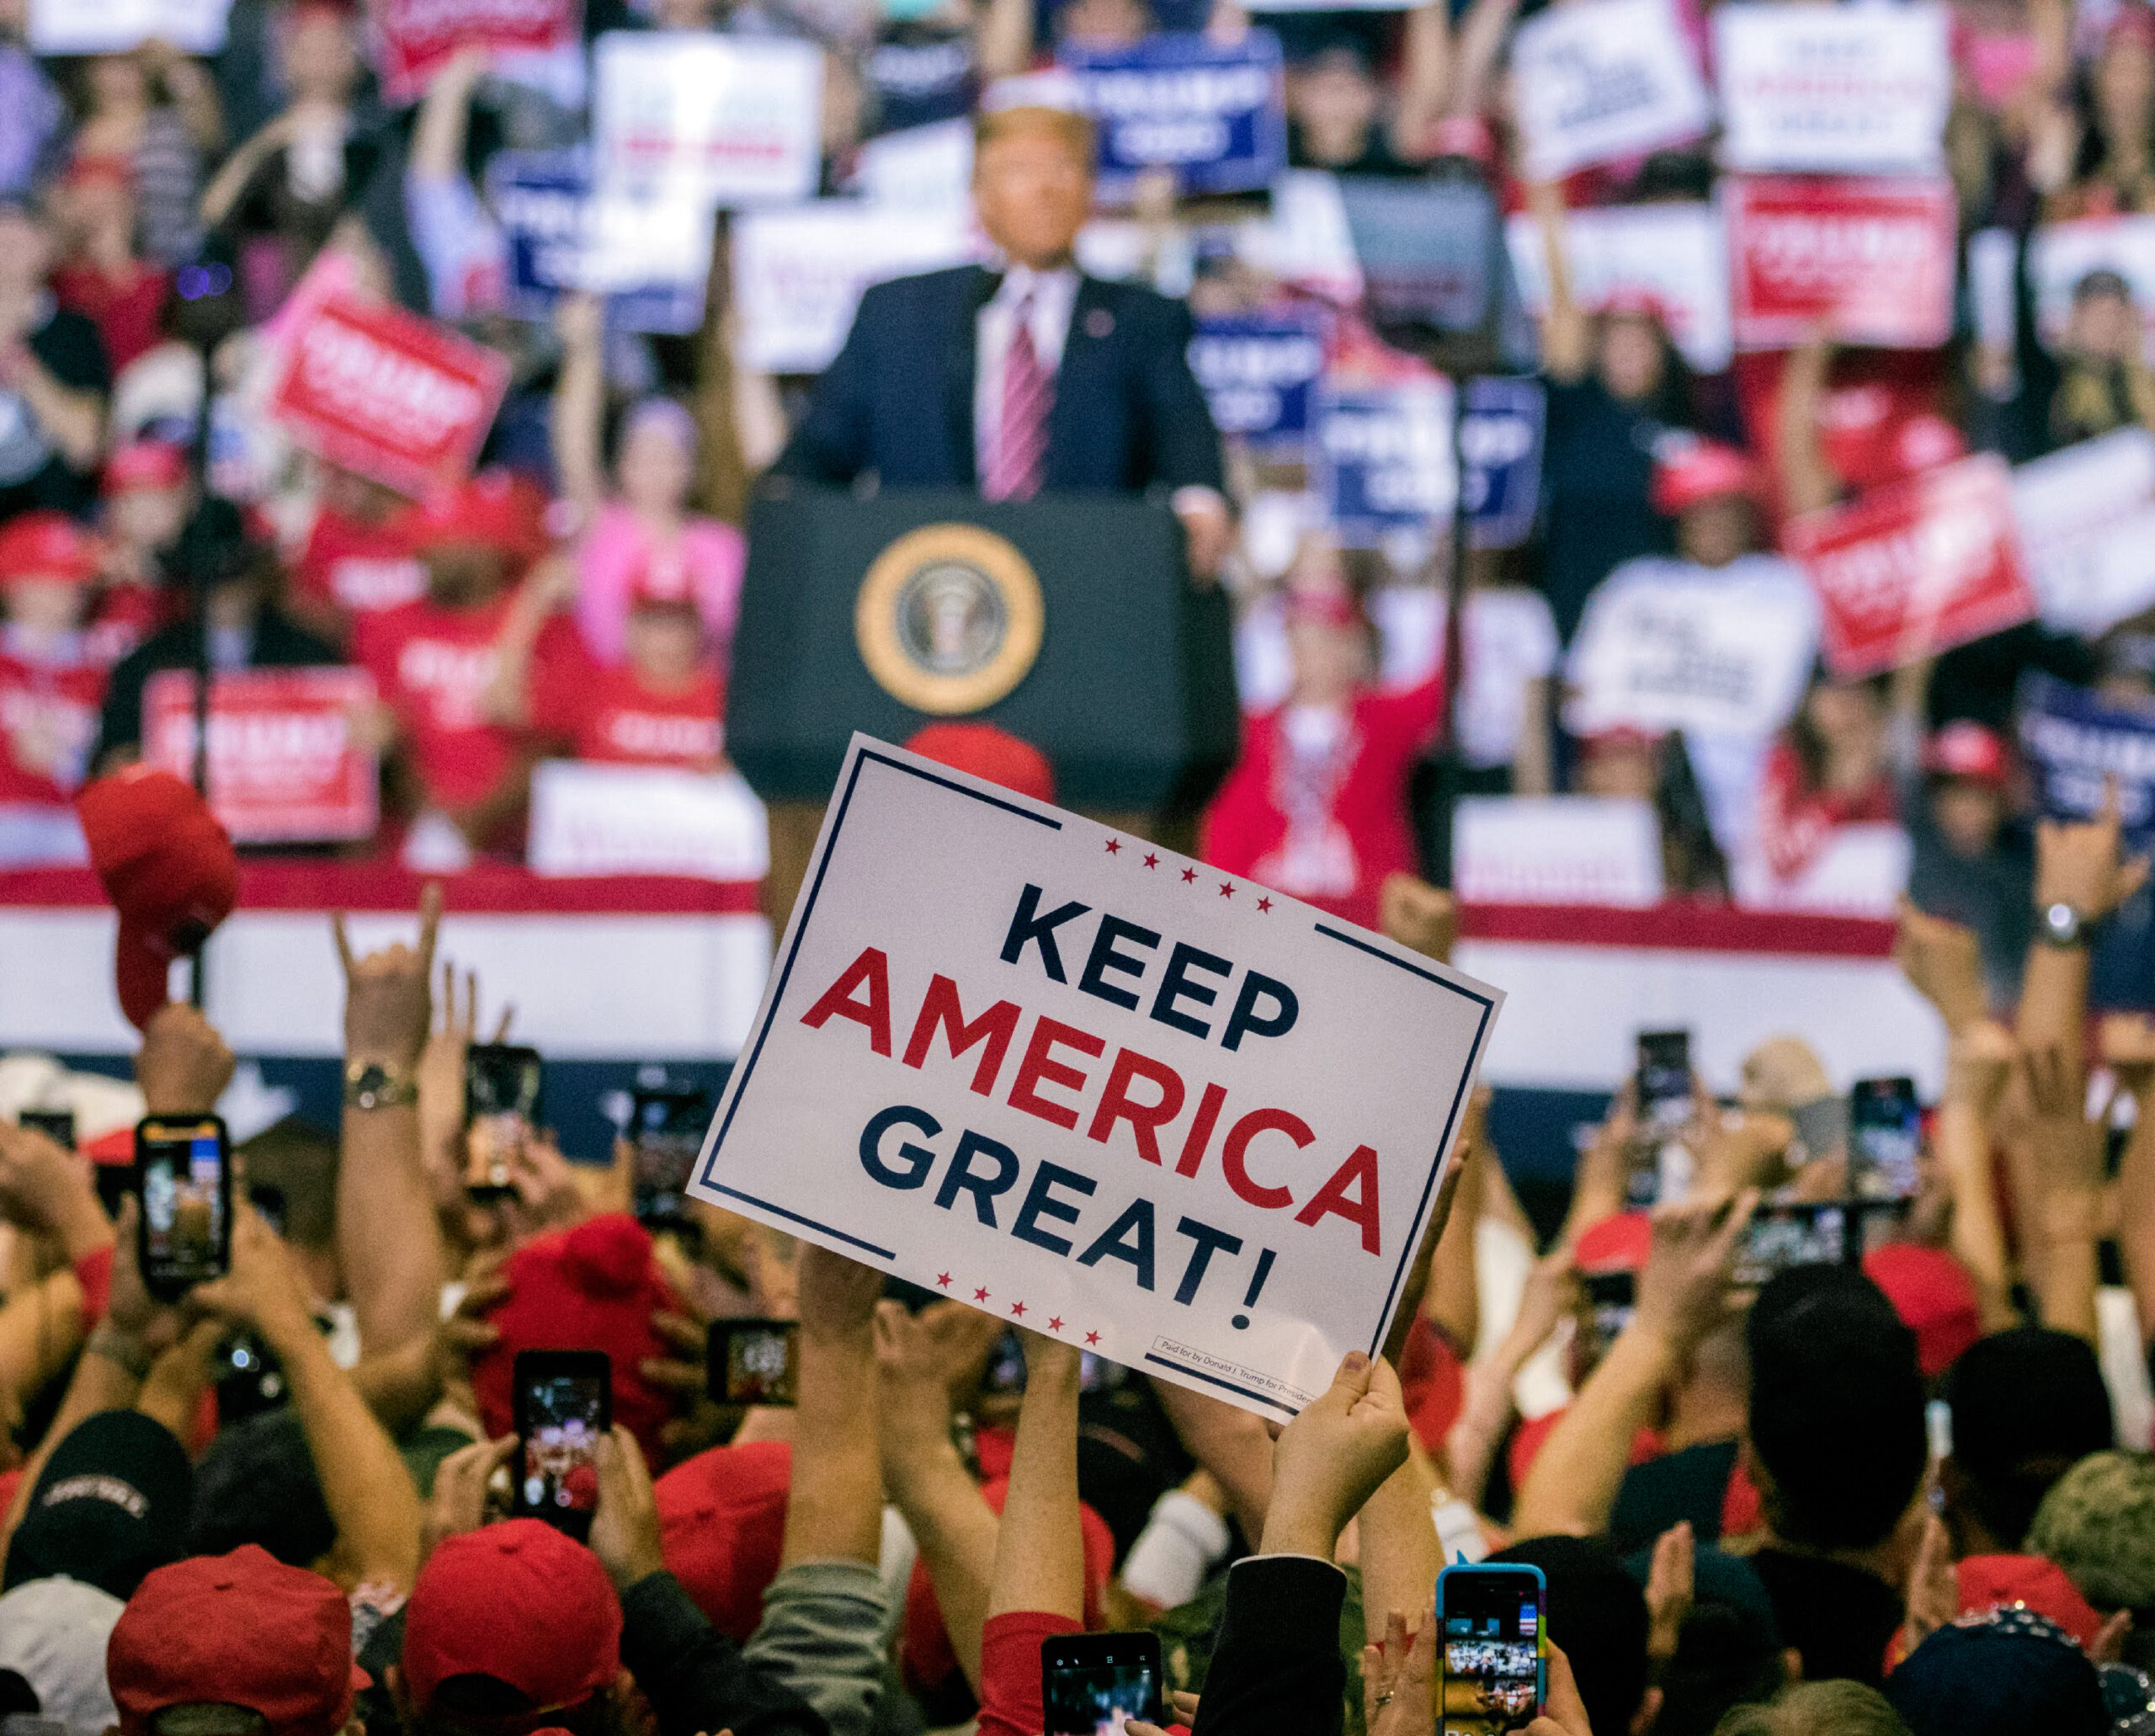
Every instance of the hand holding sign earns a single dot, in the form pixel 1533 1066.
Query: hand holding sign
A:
pixel 1095 1089
pixel 1331 1458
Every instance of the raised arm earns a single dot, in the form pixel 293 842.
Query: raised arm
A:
pixel 1977 1064
pixel 388 1239
pixel 1425 80
pixel 1567 334
pixel 2128 1041
pixel 368 1491
pixel 1003 31
pixel 1682 1295
pixel 2080 867
pixel 2067 1169
pixel 823 1615
pixel 579 406
pixel 1807 481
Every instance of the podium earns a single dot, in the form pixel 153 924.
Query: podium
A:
pixel 1069 621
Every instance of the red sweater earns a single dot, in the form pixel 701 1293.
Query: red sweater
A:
pixel 1010 1703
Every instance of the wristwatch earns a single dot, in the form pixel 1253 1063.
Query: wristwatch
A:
pixel 370 1085
pixel 2062 925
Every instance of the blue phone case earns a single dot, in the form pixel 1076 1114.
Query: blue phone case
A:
pixel 1463 1567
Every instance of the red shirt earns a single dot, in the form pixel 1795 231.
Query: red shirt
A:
pixel 350 568
pixel 1327 823
pixel 125 308
pixel 126 614
pixel 48 720
pixel 1796 823
pixel 610 715
pixel 431 664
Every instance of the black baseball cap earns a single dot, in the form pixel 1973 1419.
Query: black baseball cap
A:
pixel 111 1504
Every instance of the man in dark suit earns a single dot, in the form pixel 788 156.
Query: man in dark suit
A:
pixel 1031 379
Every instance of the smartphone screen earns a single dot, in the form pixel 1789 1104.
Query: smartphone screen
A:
pixel 665 1133
pixel 1093 1684
pixel 1490 1673
pixel 564 1403
pixel 1788 1234
pixel 183 1176
pixel 57 1125
pixel 1006 1367
pixel 754 1361
pixel 1664 1079
pixel 1885 1135
pixel 500 1104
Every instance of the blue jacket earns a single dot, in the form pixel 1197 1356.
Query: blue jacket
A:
pixel 898 400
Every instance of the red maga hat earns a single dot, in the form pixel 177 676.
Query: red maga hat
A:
pixel 48 545
pixel 1615 1244
pixel 496 509
pixel 721 1526
pixel 144 464
pixel 167 866
pixel 988 752
pixel 518 1601
pixel 1698 470
pixel 1964 749
pixel 241 1629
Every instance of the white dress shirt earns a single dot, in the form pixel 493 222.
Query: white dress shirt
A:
pixel 1055 294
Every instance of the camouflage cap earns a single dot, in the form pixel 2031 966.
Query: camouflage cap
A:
pixel 2098 1523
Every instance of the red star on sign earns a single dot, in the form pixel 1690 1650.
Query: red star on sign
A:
pixel 1188 875
pixel 1019 1309
pixel 980 1296
pixel 1115 846
pixel 1092 1337
pixel 944 1279
pixel 1264 903
pixel 1150 860
pixel 1226 889
pixel 1055 1323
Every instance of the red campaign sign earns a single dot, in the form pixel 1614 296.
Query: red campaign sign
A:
pixel 1869 261
pixel 1915 568
pixel 418 37
pixel 388 394
pixel 283 768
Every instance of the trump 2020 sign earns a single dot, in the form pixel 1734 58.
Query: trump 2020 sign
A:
pixel 1094 1087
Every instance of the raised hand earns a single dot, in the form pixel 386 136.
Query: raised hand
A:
pixel 1331 1458
pixel 1943 963
pixel 45 1189
pixel 388 1006
pixel 459 1502
pixel 1683 1291
pixel 2081 863
pixel 625 1526
pixel 184 1065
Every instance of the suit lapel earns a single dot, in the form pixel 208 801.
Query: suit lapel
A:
pixel 962 374
pixel 1085 360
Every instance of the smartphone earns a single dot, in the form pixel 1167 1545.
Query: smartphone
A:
pixel 1664 1078
pixel 1884 1136
pixel 57 1125
pixel 1611 1299
pixel 113 1182
pixel 563 1402
pixel 501 1107
pixel 1491 1673
pixel 1093 1684
pixel 183 1177
pixel 1005 1376
pixel 754 1361
pixel 665 1133
pixel 1784 1235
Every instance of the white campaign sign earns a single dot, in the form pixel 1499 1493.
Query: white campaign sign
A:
pixel 731 121
pixel 798 273
pixel 1557 849
pixel 1676 252
pixel 1094 1089
pixel 1859 89
pixel 594 819
pixel 2086 521
pixel 2060 255
pixel 114 26
pixel 1666 645
pixel 1604 79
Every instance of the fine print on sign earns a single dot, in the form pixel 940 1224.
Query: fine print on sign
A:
pixel 1095 1088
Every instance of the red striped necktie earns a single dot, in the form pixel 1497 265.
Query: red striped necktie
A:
pixel 1013 466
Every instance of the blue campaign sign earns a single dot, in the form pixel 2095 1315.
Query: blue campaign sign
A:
pixel 1213 112
pixel 542 199
pixel 1500 447
pixel 1385 453
pixel 1259 372
pixel 2075 742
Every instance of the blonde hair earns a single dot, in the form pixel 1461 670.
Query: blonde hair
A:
pixel 1073 129
pixel 1832 1708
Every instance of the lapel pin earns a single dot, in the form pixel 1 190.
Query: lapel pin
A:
pixel 1098 323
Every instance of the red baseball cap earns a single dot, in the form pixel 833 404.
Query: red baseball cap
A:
pixel 1615 1244
pixel 1633 301
pixel 593 1287
pixel 1924 441
pixel 988 752
pixel 241 1629
pixel 663 581
pixel 722 1526
pixel 1964 749
pixel 1934 1296
pixel 167 866
pixel 496 509
pixel 518 1601
pixel 1694 471
pixel 46 545
pixel 112 167
pixel 1991 1582
pixel 144 464
pixel 1327 605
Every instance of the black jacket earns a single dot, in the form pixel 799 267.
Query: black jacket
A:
pixel 278 644
pixel 1276 1668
